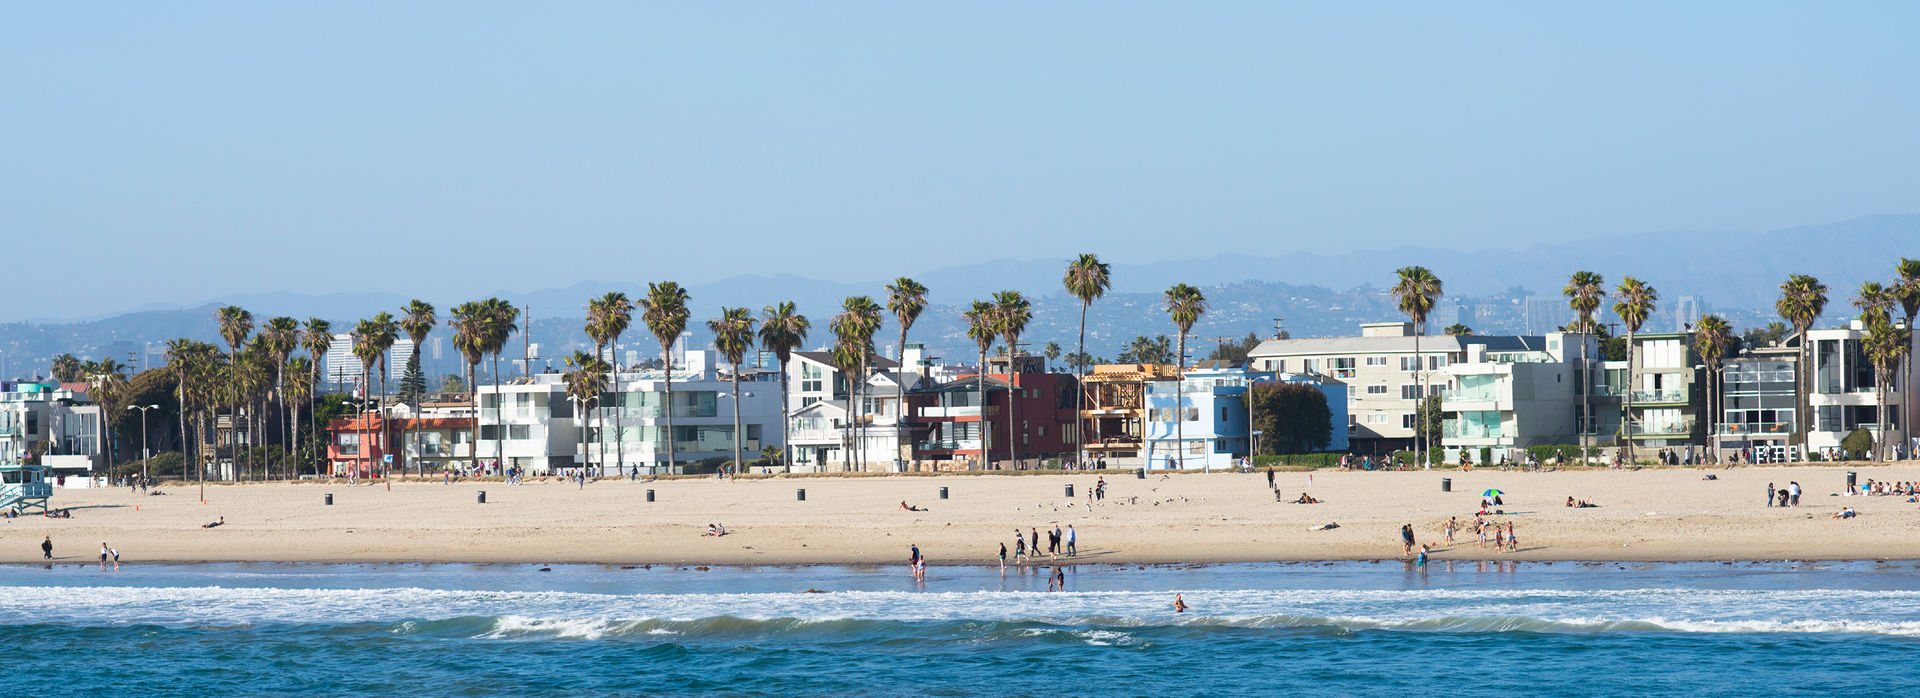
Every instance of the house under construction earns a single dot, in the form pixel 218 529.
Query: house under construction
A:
pixel 1115 411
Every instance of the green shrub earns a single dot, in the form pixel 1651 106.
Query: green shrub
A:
pixel 1857 444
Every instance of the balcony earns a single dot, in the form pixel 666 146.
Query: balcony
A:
pixel 949 445
pixel 956 412
pixel 1455 430
pixel 1756 428
pixel 1681 427
pixel 1656 397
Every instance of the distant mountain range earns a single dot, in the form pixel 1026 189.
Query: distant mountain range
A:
pixel 1316 293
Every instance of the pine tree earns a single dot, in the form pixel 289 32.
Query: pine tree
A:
pixel 413 383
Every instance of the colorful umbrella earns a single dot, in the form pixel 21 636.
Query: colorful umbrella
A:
pixel 1492 493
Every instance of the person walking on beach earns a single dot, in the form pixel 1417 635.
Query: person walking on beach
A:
pixel 104 552
pixel 1057 538
pixel 1513 544
pixel 1269 478
pixel 1003 557
pixel 1793 489
pixel 1019 547
pixel 1072 550
pixel 1769 494
pixel 1452 523
pixel 46 548
pixel 1406 538
pixel 915 563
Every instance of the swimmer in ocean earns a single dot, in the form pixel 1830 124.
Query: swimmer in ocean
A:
pixel 1179 606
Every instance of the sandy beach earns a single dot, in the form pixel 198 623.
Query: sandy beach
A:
pixel 1644 515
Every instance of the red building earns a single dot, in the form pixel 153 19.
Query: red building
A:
pixel 422 444
pixel 946 419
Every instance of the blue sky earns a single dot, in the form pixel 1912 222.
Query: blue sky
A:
pixel 175 152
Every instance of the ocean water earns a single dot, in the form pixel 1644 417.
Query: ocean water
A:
pixel 1351 628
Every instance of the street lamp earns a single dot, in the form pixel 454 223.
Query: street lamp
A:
pixel 146 455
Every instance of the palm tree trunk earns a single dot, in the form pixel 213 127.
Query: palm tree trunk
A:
pixel 380 403
pixel 619 443
pixel 1419 373
pixel 1805 388
pixel 1180 402
pixel 1626 422
pixel 900 393
pixel 666 356
pixel 473 399
pixel 737 463
pixel 499 413
pixel 1586 395
pixel 786 435
pixel 986 449
pixel 1080 392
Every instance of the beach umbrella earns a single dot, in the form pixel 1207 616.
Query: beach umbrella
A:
pixel 1492 493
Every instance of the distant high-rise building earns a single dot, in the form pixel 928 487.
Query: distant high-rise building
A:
pixel 342 368
pixel 397 358
pixel 1544 314
pixel 1687 311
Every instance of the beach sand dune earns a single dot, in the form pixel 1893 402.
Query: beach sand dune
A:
pixel 1644 515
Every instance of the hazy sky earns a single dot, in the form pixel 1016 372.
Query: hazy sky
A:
pixel 175 152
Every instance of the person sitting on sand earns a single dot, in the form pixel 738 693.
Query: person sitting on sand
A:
pixel 713 530
pixel 1570 501
pixel 1846 513
pixel 1306 499
pixel 221 522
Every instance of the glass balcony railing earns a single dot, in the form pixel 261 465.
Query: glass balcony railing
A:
pixel 950 445
pixel 1654 396
pixel 1677 427
pixel 1468 431
pixel 1766 428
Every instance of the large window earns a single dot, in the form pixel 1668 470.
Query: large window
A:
pixel 810 378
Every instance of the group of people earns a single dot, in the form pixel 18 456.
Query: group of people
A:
pixel 1058 542
pixel 1788 496
pixel 716 530
pixel 1579 503
pixel 1503 538
pixel 1885 489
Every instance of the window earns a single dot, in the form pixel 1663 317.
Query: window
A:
pixel 1043 431
pixel 1277 365
pixel 1309 365
pixel 1377 418
pixel 1193 414
pixel 1376 361
pixel 1340 363
pixel 1223 414
pixel 1410 392
pixel 519 432
pixel 1376 390
pixel 1406 421
pixel 810 378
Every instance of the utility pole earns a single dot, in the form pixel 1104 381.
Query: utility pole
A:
pixel 1279 332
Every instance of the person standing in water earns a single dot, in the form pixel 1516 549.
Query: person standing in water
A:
pixel 1406 539
pixel 1179 606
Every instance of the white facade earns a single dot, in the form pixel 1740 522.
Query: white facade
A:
pixel 1509 400
pixel 541 429
pixel 1843 396
pixel 32 413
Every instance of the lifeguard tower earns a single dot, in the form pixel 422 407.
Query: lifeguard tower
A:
pixel 23 486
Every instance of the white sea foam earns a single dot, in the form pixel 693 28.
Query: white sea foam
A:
pixel 517 614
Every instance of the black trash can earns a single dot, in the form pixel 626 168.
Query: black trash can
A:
pixel 1139 473
pixel 483 497
pixel 943 493
pixel 1069 491
pixel 1853 481
pixel 800 494
pixel 329 497
pixel 1446 484
pixel 649 495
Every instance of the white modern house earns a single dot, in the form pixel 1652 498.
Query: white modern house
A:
pixel 54 417
pixel 1843 390
pixel 1509 399
pixel 537 426
pixel 1217 429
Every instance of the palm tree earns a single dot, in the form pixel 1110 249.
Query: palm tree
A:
pixel 607 318
pixel 1802 299
pixel 906 299
pixel 1585 291
pixel 1087 279
pixel 782 330
pixel 665 313
pixel 366 348
pixel 249 372
pixel 1711 340
pixel 1458 330
pixel 733 336
pixel 1415 289
pixel 585 380
pixel 1887 348
pixel 281 336
pixel 982 328
pixel 499 318
pixel 235 324
pixel 111 390
pixel 1635 305
pixel 298 389
pixel 470 327
pixel 1185 305
pixel 417 320
pixel 1011 313
pixel 1907 289
pixel 66 368
pixel 318 340
pixel 859 318
pixel 389 333
pixel 180 356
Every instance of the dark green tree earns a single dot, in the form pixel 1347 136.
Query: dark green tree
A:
pixel 1291 418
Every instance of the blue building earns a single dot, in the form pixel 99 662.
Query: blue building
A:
pixel 1212 403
